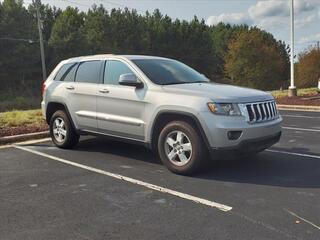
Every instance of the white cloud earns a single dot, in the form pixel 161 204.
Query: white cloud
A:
pixel 310 38
pixel 270 14
pixel 269 8
pixel 305 6
pixel 233 18
pixel 302 22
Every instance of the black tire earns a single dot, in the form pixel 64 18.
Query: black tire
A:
pixel 196 158
pixel 71 138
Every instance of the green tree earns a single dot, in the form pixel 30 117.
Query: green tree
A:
pixel 67 38
pixel 308 68
pixel 19 56
pixel 222 34
pixel 96 30
pixel 254 60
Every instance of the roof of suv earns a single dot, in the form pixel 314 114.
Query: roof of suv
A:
pixel 103 56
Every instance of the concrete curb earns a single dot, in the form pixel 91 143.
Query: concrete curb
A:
pixel 23 137
pixel 299 108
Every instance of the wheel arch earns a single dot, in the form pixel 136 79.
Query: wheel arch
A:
pixel 52 107
pixel 163 117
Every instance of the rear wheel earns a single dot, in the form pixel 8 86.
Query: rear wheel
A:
pixel 61 130
pixel 180 148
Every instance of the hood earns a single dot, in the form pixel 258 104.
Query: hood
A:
pixel 222 93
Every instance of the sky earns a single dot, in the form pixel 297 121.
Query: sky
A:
pixel 270 15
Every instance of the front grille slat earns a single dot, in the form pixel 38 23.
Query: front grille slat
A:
pixel 256 111
pixel 265 106
pixel 275 108
pixel 274 112
pixel 270 109
pixel 254 114
pixel 261 111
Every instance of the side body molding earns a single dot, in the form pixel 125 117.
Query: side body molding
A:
pixel 111 118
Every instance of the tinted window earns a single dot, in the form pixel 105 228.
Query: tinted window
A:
pixel 68 76
pixel 167 71
pixel 88 72
pixel 62 71
pixel 113 70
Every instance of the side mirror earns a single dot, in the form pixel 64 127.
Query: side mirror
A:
pixel 129 79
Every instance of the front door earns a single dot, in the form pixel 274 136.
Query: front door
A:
pixel 120 109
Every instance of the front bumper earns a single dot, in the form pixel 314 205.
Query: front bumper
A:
pixel 247 146
pixel 217 128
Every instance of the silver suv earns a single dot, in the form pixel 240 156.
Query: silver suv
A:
pixel 160 103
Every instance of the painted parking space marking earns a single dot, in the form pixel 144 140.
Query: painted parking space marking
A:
pixel 298 116
pixel 293 153
pixel 192 198
pixel 26 142
pixel 303 219
pixel 301 129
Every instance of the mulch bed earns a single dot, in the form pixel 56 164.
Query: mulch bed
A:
pixel 301 100
pixel 10 131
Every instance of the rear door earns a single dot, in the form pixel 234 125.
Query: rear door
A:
pixel 82 94
pixel 120 109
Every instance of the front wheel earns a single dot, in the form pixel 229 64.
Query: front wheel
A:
pixel 180 148
pixel 61 131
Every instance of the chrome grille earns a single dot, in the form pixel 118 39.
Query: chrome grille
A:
pixel 261 111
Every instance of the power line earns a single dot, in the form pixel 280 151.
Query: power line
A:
pixel 76 3
pixel 121 5
pixel 104 1
pixel 18 39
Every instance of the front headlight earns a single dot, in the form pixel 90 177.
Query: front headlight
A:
pixel 228 109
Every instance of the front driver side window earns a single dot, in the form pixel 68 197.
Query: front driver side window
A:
pixel 113 70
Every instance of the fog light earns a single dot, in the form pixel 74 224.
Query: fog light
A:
pixel 234 135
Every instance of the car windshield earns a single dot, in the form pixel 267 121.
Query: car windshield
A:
pixel 167 71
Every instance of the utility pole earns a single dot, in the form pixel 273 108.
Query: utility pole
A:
pixel 43 61
pixel 292 88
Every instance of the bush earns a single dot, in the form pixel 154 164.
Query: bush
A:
pixel 10 101
pixel 308 68
pixel 255 60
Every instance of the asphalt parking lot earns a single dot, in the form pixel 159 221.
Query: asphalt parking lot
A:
pixel 112 190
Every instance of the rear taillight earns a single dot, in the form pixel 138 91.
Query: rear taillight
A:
pixel 43 88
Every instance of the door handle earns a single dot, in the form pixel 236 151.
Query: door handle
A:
pixel 70 87
pixel 104 90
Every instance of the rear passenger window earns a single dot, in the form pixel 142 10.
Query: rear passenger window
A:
pixel 89 72
pixel 62 71
pixel 69 74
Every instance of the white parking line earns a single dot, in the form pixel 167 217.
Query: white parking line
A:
pixel 293 153
pixel 301 129
pixel 297 110
pixel 26 142
pixel 202 201
pixel 34 141
pixel 5 146
pixel 303 219
pixel 297 116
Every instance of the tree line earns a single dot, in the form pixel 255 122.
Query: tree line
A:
pixel 236 54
